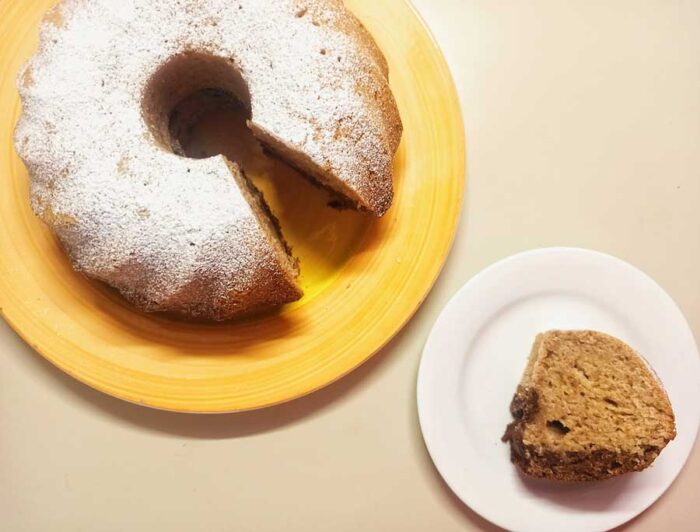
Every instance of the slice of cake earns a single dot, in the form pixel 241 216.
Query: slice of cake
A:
pixel 587 408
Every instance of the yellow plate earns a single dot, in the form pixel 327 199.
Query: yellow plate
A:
pixel 363 278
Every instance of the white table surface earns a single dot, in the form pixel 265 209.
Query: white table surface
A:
pixel 583 125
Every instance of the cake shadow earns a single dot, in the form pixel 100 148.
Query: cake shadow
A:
pixel 587 496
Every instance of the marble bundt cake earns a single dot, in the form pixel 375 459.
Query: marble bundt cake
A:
pixel 183 235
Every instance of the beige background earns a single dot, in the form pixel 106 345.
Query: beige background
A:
pixel 583 122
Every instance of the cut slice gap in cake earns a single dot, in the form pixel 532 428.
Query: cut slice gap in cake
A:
pixel 184 116
pixel 268 222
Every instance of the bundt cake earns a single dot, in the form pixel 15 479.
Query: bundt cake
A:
pixel 194 236
pixel 588 408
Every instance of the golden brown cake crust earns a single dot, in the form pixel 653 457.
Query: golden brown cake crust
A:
pixel 608 430
pixel 183 235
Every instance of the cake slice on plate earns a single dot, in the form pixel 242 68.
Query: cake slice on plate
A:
pixel 587 408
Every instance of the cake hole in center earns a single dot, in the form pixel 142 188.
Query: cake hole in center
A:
pixel 212 122
pixel 186 88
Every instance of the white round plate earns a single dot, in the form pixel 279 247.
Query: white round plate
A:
pixel 474 360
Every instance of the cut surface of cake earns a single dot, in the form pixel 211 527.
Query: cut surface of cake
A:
pixel 587 408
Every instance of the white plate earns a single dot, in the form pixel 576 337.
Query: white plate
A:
pixel 474 360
